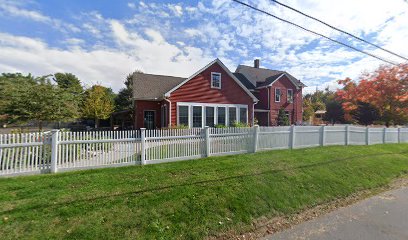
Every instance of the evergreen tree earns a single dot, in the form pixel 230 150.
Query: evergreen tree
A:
pixel 283 119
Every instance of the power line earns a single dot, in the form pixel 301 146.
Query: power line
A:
pixel 316 33
pixel 338 29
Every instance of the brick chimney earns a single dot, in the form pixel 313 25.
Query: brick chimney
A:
pixel 256 63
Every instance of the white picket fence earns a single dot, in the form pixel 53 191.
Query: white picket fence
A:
pixel 62 151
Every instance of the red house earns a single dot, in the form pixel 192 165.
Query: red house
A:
pixel 275 90
pixel 213 95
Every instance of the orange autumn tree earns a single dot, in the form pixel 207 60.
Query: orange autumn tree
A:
pixel 386 89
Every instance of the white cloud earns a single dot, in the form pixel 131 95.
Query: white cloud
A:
pixel 177 9
pixel 131 5
pixel 14 10
pixel 107 66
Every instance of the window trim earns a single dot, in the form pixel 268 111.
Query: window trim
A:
pixel 287 97
pixel 276 89
pixel 215 73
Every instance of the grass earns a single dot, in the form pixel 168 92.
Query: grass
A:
pixel 191 199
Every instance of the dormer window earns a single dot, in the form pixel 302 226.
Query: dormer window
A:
pixel 216 80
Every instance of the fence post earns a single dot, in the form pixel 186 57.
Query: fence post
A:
pixel 207 141
pixel 347 135
pixel 384 134
pixel 143 146
pixel 367 136
pixel 256 137
pixel 292 136
pixel 399 135
pixel 54 150
pixel 322 135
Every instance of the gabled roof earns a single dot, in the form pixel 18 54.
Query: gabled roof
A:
pixel 260 77
pixel 153 87
pixel 244 80
pixel 157 87
pixel 218 61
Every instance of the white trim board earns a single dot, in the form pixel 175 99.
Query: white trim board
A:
pixel 167 94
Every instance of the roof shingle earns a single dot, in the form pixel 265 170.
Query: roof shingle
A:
pixel 153 87
pixel 262 77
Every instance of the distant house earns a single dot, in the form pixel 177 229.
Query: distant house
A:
pixel 213 96
pixel 275 90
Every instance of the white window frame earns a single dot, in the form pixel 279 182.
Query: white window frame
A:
pixel 276 89
pixel 215 105
pixel 287 97
pixel 218 74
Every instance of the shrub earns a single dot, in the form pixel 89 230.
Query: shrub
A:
pixel 239 124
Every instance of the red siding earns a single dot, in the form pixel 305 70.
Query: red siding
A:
pixel 295 108
pixel 140 106
pixel 263 98
pixel 199 90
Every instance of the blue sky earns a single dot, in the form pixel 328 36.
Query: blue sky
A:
pixel 102 41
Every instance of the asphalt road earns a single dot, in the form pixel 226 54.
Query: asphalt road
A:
pixel 382 217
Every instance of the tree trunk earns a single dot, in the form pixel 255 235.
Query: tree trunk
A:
pixel 40 126
pixel 96 123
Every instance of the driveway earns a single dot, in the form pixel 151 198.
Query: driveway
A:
pixel 381 217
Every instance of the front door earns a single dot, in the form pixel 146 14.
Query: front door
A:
pixel 149 119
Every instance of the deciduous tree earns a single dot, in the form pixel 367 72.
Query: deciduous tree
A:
pixel 386 89
pixel 30 98
pixel 98 103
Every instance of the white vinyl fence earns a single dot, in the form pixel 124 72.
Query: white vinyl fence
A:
pixel 62 151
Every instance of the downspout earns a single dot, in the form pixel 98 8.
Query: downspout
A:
pixel 269 105
pixel 253 113
pixel 167 100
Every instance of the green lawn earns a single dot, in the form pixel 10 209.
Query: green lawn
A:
pixel 191 199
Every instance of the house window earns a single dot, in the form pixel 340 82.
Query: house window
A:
pixel 221 116
pixel 197 116
pixel 183 115
pixel 243 115
pixel 277 94
pixel 232 115
pixel 290 95
pixel 216 80
pixel 209 116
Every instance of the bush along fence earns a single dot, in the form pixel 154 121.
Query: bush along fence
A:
pixel 58 151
